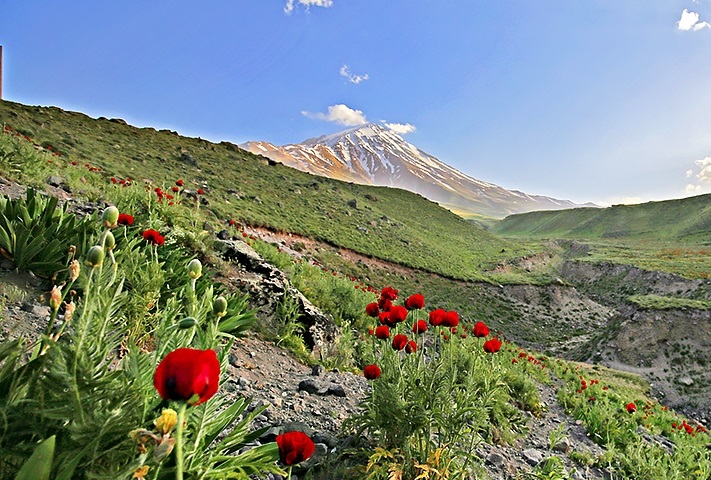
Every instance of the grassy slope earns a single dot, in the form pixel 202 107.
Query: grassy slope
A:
pixel 388 223
pixel 671 236
pixel 686 219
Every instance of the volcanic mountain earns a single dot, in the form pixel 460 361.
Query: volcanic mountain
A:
pixel 373 154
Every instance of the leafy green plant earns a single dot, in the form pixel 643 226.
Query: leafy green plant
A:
pixel 85 387
pixel 36 234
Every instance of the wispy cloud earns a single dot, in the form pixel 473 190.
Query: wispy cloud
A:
pixel 690 21
pixel 345 72
pixel 341 114
pixel 289 7
pixel 400 128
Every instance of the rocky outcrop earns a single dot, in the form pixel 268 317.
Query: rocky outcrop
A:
pixel 268 286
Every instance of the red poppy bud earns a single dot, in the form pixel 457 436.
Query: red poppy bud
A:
pixel 180 183
pixel 411 347
pixel 415 302
pixel 175 189
pixel 188 374
pixel 492 346
pixel 399 341
pixel 481 330
pixel 200 191
pixel 631 407
pixel 295 447
pixel 371 372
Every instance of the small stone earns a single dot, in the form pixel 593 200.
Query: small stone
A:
pixel 55 181
pixel 532 456
pixel 337 390
pixel 309 385
pixel 688 381
pixel 563 446
pixel 496 459
pixel 318 370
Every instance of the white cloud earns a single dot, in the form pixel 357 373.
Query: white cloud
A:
pixel 345 72
pixel 400 128
pixel 289 7
pixel 704 174
pixel 341 114
pixel 690 21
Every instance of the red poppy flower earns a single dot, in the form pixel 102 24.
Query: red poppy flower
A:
pixel 371 372
pixel 180 183
pixel 152 236
pixel 385 304
pixel 384 318
pixel 481 330
pixel 398 314
pixel 411 347
pixel 389 293
pixel 419 327
pixel 399 341
pixel 295 447
pixel 436 317
pixel 175 189
pixel 125 219
pixel 415 302
pixel 200 191
pixel 631 407
pixel 372 309
pixel 382 332
pixel 492 346
pixel 451 319
pixel 186 373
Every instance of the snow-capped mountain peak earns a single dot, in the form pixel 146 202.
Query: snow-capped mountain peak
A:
pixel 375 154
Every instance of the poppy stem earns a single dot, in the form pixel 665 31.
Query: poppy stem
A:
pixel 179 442
pixel 288 475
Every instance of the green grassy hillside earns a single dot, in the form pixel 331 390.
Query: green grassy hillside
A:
pixel 688 219
pixel 388 223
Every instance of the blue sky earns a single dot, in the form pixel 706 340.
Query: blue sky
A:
pixel 598 100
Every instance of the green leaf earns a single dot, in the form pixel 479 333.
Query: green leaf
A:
pixel 39 465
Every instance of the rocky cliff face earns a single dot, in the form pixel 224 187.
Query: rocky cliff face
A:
pixel 671 348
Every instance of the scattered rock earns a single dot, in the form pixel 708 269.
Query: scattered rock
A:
pixel 532 456
pixel 55 181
